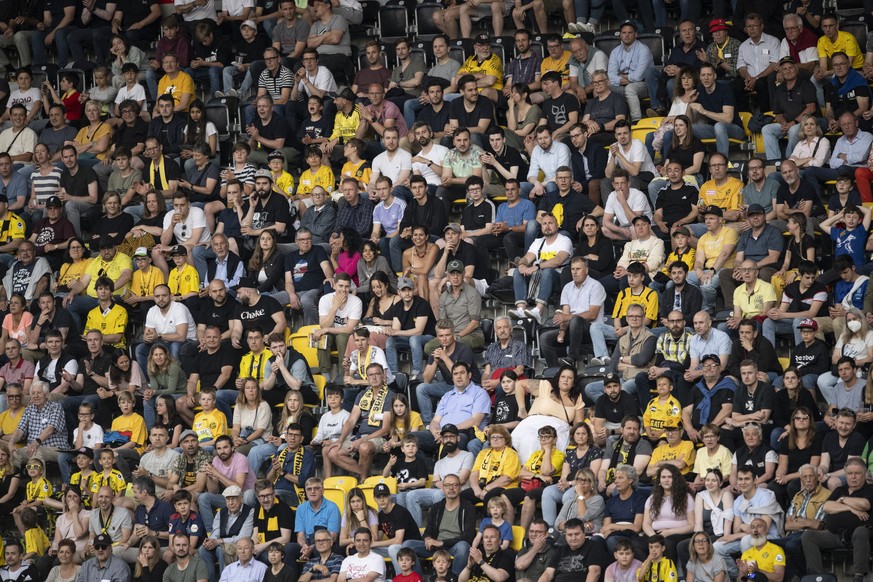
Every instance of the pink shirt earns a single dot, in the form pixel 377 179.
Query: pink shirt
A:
pixel 348 265
pixel 238 464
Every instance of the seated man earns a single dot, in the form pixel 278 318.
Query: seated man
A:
pixel 849 153
pixel 545 257
pixel 628 65
pixel 673 450
pixel 610 409
pixel 800 300
pixel 722 191
pixel 505 353
pixel 716 108
pixel 753 299
pixel 630 155
pixel 715 252
pixel 338 314
pixel 12 234
pixel 758 57
pixel 27 275
pixel 546 156
pixel 437 377
pixel 752 346
pixel 761 244
pixel 644 248
pixel 712 401
pixel 764 557
pixel 753 403
pixel 623 206
pixel 413 326
pixel 354 367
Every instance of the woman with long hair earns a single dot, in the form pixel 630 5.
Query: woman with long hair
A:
pixel 150 566
pixel 198 130
pixel 357 515
pixel 419 259
pixel 65 550
pixel 585 503
pixel 792 396
pixel 669 510
pixel 123 52
pixel 582 453
pixel 251 418
pixel 267 266
pixel 855 341
pixel 687 150
pixel 125 373
pixel 370 263
pixel 800 249
pixel 74 264
pixel 813 150
pixel 114 224
pixel 10 480
pixel 294 411
pixel 72 525
pixel 556 403
pixel 803 446
pixel 404 421
pixel 17 322
pixel 384 297
pixel 704 565
pixel 153 211
pixel 345 253
pixel 93 140
pixel 522 116
pixel 595 248
pixel 165 377
pixel 167 416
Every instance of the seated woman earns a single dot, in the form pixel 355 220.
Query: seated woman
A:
pixel 704 565
pixel 495 469
pixel 582 453
pixel 267 267
pixel 419 259
pixel 623 517
pixel 93 140
pixel 856 341
pixel 803 445
pixel 585 504
pixel 669 511
pixel 541 470
pixel 713 511
pixel 202 179
pixel 557 403
pixel 114 223
pixel 713 455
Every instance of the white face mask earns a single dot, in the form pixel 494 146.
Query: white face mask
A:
pixel 854 325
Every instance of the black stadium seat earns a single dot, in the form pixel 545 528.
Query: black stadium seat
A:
pixel 425 29
pixel 393 22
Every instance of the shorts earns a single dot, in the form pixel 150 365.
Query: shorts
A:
pixel 377 442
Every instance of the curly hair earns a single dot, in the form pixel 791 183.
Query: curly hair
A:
pixel 679 492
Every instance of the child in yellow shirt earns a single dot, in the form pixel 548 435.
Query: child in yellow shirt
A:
pixel 36 543
pixel 682 251
pixel 283 182
pixel 37 490
pixel 211 422
pixel 184 281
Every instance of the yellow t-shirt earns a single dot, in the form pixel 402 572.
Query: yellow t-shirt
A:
pixel 846 43
pixel 133 426
pixel 36 541
pixel 728 196
pixel 752 304
pixel 109 322
pixel 561 66
pixel 648 299
pixel 285 184
pixel 143 284
pixel 712 245
pixel 252 366
pixel 99 268
pixel 687 257
pixel 39 489
pixel 114 480
pixel 210 425
pixel 664 570
pixel 722 459
pixel 90 487
pixel 323 177
pixel 11 228
pixel 71 272
pixel 659 415
pixel 84 136
pixel 360 172
pixel 181 85
pixel 345 127
pixel 415 423
pixel 684 451
pixel 492 465
pixel 490 66
pixel 9 421
pixel 535 462
pixel 767 557
pixel 183 281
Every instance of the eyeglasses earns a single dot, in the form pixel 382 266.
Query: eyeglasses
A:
pixel 702 541
pixel 633 316
pixel 709 366
pixel 324 541
pixel 546 436
pixel 13 395
pixel 498 437
pixel 272 58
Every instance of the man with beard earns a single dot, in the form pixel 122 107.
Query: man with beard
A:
pixel 289 469
pixel 475 109
pixel 506 352
pixel 682 297
pixel 268 210
pixel 229 468
pixel 91 383
pixel 803 515
pixel 158 462
pixel 189 471
pixel 287 370
pixel 546 255
pixel 273 523
pixel 763 557
pixel 752 345
pixel 57 367
pixel 491 563
pixel 793 100
pixel 581 303
pixel 214 365
pixel 255 311
pixel 161 173
pixel 428 161
pixel 187 225
pixel 27 275
pixel 52 234
pixel 671 356
pixel 169 323
pixel 460 163
pixel 845 523
pixel 580 558
pixel 630 449
pixel 178 571
pixel 338 315
pixel 216 309
pixel 167 127
pixel 610 409
pixel 752 406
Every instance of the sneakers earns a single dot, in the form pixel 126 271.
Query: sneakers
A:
pixel 537 314
pixel 219 94
pixel 658 112
pixel 586 27
pixel 414 377
pixel 604 361
pixel 568 361
pixel 573 26
pixel 233 93
pixel 518 313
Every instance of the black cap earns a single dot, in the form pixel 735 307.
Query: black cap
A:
pixel 103 541
pixel 714 210
pixel 247 282
pixel 179 251
pixel 381 490
pixel 713 357
pixel 787 59
pixel 482 39
pixel 106 242
pixel 755 209
pixel 642 217
pixel 347 94
pixel 629 23
pixel 87 451
pixel 54 202
pixel 611 379
pixel 449 429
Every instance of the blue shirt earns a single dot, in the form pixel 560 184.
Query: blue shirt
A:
pixel 456 407
pixel 156 519
pixel 254 571
pixel 633 62
pixel 16 188
pixel 516 215
pixel 856 150
pixel 328 516
pixel 850 242
pixel 841 288
pixel 193 526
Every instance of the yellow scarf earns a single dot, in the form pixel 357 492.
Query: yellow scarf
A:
pixel 373 404
pixel 272 523
pixel 720 49
pixel 295 470
pixel 365 363
pixel 165 185
pixel 492 467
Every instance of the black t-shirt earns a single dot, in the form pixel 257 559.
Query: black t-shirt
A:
pixel 848 101
pixel 315 129
pixel 305 270
pixel 476 217
pixel 218 52
pixel 274 210
pixel 685 156
pixel 277 518
pixel 798 457
pixel 846 520
pixel 121 225
pixel 804 192
pixel 62 319
pixel 606 110
pixel 399 518
pixel 170 167
pixel 436 120
pixel 676 204
pixel 792 102
pixel 277 128
pixel 259 316
pixel 613 412
pixel 717 101
pixel 419 308
pixel 217 315
pixel 467 254
pixel 762 399
pixel 407 472
pixel 720 398
pixel 252 51
pixel 839 455
pixel 130 137
pixel 557 111
pixel 100 367
pixel 509 158
pixel 137 11
pixel 569 209
pixel 501 560
pixel 77 186
pixel 483 109
pixel 505 409
pixel 572 565
pixel 208 366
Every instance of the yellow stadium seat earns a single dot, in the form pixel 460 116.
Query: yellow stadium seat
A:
pixel 338 496
pixel 320 384
pixel 517 538
pixel 648 123
pixel 345 483
pixel 300 342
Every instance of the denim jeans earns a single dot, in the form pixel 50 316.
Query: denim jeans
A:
pixel 207 504
pixel 553 500
pixel 142 351
pixel 414 343
pixel 225 399
pixel 259 454
pixel 600 332
pixel 417 500
pixel 40 52
pixel 203 74
pixel 230 76
pixel 97 37
pixel 209 558
pixel 79 308
pixel 459 552
pixel 783 327
pixel 772 134
pixel 549 279
pixel 589 10
pixel 424 393
pixel 722 132
pixel 708 290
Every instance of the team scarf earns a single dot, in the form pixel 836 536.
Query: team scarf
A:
pixel 374 403
pixel 295 470
pixel 364 363
pixel 272 523
pixel 165 185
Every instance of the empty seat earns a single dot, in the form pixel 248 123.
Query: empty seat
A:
pixel 393 22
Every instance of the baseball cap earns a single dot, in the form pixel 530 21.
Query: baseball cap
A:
pixel 276 155
pixel 186 434
pixel 54 202
pixel 141 252
pixel 611 379
pixel 232 491
pixel 453 226
pixel 682 230
pixel 87 451
pixel 346 94
pixel 630 23
pixel 641 217
pixel 787 59
pixel 103 541
pixel 250 23
pixel 714 210
pixel 808 323
pixel 755 209
pixel 404 283
pixel 106 242
pixel 264 174
pixel 381 490
pixel 713 357
pixel 449 429
pixel 482 39
pixel 677 426
pixel 717 24
pixel 179 251
pixel 455 266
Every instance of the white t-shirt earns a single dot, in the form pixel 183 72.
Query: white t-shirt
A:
pixel 357 567
pixel 384 166
pixel 331 425
pixel 235 7
pixel 196 219
pixel 351 310
pixel 322 80
pixel 51 374
pixel 210 130
pixel 24 143
pixel 636 200
pixel 26 98
pixel 544 250
pixel 166 323
pixel 636 152
pixel 136 94
pixel 90 437
pixel 207 11
pixel 436 155
pixel 580 299
pixel 159 465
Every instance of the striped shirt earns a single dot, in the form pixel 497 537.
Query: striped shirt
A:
pixel 274 85
pixel 672 349
pixel 46 186
pixel 245 175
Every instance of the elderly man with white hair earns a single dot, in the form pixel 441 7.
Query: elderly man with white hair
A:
pixel 43 428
